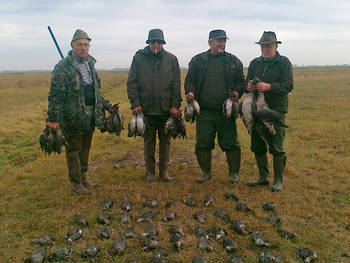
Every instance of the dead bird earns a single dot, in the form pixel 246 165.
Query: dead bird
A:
pixel 61 254
pixel 199 231
pixel 80 219
pixel 107 203
pixel 203 244
pixel 266 257
pixel 192 111
pixel 190 202
pixel 200 259
pixel 150 230
pixel 125 217
pixel 170 216
pixel 259 239
pixel 174 229
pixel 132 126
pixel 238 226
pixel 269 207
pixel 74 234
pixel 221 213
pixel 217 232
pixel 176 127
pixel 103 233
pixel 244 208
pixel 45 240
pixel 90 251
pixel 287 234
pixel 306 254
pixel 150 214
pixel 150 243
pixel 230 107
pixel 37 256
pixel 104 219
pixel 128 232
pixel 158 258
pixel 170 202
pixel 141 124
pixel 118 247
pixel 230 196
pixel 274 219
pixel 177 240
pixel 200 216
pixel 126 205
pixel 115 120
pixel 235 259
pixel 151 203
pixel 208 199
pixel 229 245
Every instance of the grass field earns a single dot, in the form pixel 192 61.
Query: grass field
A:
pixel 315 202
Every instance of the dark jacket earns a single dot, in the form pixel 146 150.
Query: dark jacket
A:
pixel 234 77
pixel 280 75
pixel 67 101
pixel 154 82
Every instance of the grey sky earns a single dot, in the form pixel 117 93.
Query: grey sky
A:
pixel 312 32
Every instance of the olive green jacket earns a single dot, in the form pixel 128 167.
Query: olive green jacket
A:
pixel 280 75
pixel 67 101
pixel 154 82
pixel 234 77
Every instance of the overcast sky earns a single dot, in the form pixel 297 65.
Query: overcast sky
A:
pixel 312 31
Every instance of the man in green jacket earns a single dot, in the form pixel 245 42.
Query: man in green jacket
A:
pixel 276 75
pixel 77 106
pixel 153 87
pixel 211 75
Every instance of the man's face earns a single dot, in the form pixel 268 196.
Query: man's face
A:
pixel 268 51
pixel 155 46
pixel 217 46
pixel 81 48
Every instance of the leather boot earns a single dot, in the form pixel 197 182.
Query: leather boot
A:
pixel 263 167
pixel 204 161
pixel 279 162
pixel 88 184
pixel 233 158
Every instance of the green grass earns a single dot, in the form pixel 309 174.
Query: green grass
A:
pixel 36 198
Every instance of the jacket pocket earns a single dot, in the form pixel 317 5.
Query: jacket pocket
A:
pixel 165 102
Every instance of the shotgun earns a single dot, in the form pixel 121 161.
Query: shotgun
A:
pixel 54 40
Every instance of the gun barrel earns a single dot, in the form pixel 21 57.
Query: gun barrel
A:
pixel 54 40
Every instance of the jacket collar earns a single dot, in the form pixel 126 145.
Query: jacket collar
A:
pixel 276 58
pixel 89 58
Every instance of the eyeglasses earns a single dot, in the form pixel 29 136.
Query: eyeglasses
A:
pixel 158 41
pixel 83 44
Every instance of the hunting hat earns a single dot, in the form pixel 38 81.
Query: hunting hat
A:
pixel 80 34
pixel 267 38
pixel 155 34
pixel 218 34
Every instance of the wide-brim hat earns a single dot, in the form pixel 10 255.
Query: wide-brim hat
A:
pixel 155 34
pixel 218 34
pixel 80 34
pixel 268 37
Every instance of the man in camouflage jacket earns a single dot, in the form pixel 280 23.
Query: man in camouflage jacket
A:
pixel 276 75
pixel 154 89
pixel 77 106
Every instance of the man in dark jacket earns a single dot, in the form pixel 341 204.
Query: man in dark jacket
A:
pixel 210 76
pixel 276 75
pixel 76 105
pixel 153 87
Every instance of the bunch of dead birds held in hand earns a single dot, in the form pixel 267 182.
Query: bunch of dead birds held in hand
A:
pixel 150 240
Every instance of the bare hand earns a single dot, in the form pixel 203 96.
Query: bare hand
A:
pixel 235 96
pixel 190 97
pixel 262 86
pixel 136 110
pixel 52 125
pixel 251 87
pixel 175 112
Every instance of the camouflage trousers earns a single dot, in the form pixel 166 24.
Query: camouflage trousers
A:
pixel 156 123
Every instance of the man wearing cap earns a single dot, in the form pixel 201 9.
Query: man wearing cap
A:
pixel 210 76
pixel 153 87
pixel 276 75
pixel 77 106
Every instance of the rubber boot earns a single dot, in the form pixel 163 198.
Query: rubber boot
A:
pixel 233 159
pixel 263 167
pixel 78 187
pixel 149 151
pixel 164 154
pixel 88 184
pixel 279 162
pixel 204 161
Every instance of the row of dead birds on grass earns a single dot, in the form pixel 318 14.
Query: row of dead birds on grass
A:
pixel 150 240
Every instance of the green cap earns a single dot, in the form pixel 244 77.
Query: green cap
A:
pixel 80 34
pixel 155 34
pixel 267 38
pixel 218 34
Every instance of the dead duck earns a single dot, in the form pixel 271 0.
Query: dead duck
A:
pixel 150 230
pixel 274 219
pixel 119 246
pixel 238 226
pixel 81 220
pixel 126 205
pixel 104 219
pixel 107 203
pixel 221 213
pixel 230 196
pixel 150 243
pixel 125 217
pixel 217 232
pixel 128 232
pixel 191 202
pixel 244 208
pixel 306 254
pixel 151 203
pixel 269 207
pixel 61 254
pixel 200 259
pixel 200 216
pixel 229 245
pixel 170 202
pixel 199 231
pixel 37 256
pixel 259 239
pixel 45 240
pixel 90 251
pixel 169 216
pixel 103 233
pixel 73 234
pixel 150 214
pixel 266 257
pixel 203 244
pixel 235 259
pixel 177 240
pixel 208 199
pixel 287 234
